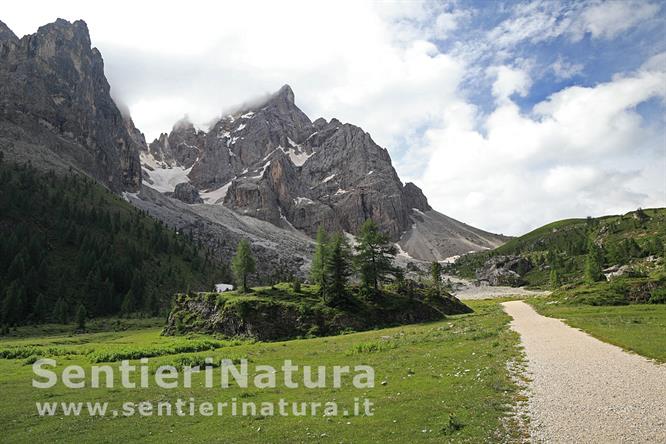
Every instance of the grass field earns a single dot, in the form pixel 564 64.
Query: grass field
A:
pixel 640 328
pixel 439 382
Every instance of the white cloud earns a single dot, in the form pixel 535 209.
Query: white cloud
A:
pixel 610 18
pixel 542 20
pixel 509 81
pixel 564 70
pixel 582 151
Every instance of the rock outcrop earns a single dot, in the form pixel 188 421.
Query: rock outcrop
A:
pixel 56 109
pixel 504 271
pixel 271 319
pixel 185 192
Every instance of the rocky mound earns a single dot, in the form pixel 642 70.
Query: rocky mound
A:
pixel 275 314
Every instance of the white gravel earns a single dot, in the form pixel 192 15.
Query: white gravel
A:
pixel 464 289
pixel 584 390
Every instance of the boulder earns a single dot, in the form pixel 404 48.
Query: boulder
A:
pixel 185 192
pixel 504 271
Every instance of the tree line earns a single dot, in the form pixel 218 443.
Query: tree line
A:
pixel 335 263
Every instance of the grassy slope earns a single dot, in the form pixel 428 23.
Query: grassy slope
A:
pixel 559 237
pixel 458 367
pixel 639 328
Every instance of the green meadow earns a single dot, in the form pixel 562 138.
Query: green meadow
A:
pixel 445 381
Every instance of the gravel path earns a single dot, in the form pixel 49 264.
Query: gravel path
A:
pixel 584 390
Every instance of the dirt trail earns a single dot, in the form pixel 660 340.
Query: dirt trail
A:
pixel 584 390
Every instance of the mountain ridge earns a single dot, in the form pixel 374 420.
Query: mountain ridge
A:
pixel 270 161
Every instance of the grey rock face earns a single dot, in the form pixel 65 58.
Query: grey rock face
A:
pixel 504 271
pixel 279 166
pixel 280 252
pixel 182 146
pixel 55 99
pixel 185 192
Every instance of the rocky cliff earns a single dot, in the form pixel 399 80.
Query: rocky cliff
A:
pixel 56 109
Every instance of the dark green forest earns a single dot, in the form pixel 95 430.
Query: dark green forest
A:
pixel 66 242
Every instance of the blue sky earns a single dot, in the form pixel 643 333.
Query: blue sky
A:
pixel 508 114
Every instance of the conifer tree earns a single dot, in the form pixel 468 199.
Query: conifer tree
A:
pixel 317 270
pixel 592 264
pixel 81 314
pixel 436 275
pixel 243 264
pixel 337 270
pixel 554 278
pixel 374 255
pixel 60 311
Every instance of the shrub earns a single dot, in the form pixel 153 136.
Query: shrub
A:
pixel 371 347
pixel 452 425
pixel 658 296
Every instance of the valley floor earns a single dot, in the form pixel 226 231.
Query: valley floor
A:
pixel 446 381
pixel 585 390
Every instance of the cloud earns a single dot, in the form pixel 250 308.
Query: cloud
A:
pixel 608 19
pixel 582 151
pixel 509 81
pixel 564 70
pixel 543 20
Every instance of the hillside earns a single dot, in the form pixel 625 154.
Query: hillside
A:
pixel 566 252
pixel 65 241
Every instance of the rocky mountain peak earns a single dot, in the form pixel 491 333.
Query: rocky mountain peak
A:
pixel 55 92
pixel 75 32
pixel 285 93
pixel 7 34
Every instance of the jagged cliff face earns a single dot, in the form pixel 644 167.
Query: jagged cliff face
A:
pixel 272 162
pixel 56 108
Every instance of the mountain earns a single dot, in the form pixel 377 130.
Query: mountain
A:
pixel 271 162
pixel 56 109
pixel 264 172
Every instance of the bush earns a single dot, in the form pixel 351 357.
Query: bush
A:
pixel 658 296
pixel 371 347
pixel 453 424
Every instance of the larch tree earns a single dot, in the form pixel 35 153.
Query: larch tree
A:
pixel 243 264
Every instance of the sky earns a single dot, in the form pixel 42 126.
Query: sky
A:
pixel 508 115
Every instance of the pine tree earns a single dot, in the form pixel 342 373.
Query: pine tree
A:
pixel 129 304
pixel 40 308
pixel 243 264
pixel 12 303
pixel 317 274
pixel 436 275
pixel 81 314
pixel 337 270
pixel 60 311
pixel 554 279
pixel 592 265
pixel 375 255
